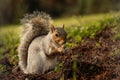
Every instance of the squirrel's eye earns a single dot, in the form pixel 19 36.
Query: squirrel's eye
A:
pixel 56 35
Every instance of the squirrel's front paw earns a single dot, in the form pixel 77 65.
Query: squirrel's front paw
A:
pixel 53 50
pixel 60 49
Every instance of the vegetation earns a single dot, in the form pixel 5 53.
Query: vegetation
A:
pixel 84 26
pixel 77 27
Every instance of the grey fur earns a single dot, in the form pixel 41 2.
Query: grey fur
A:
pixel 38 62
pixel 34 50
pixel 31 30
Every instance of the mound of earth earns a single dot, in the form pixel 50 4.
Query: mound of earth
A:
pixel 93 59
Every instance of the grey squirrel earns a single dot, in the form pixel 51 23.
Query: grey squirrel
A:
pixel 39 46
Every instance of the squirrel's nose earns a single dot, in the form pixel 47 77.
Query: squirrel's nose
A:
pixel 62 42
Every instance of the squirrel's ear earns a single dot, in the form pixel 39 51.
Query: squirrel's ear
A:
pixel 63 26
pixel 52 28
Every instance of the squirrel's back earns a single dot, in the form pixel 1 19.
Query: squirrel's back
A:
pixel 35 25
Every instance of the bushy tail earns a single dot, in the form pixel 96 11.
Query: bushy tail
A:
pixel 35 25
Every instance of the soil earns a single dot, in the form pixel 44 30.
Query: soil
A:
pixel 93 59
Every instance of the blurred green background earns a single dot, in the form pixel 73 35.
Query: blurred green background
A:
pixel 82 18
pixel 11 11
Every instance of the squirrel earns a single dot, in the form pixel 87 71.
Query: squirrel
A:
pixel 40 43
